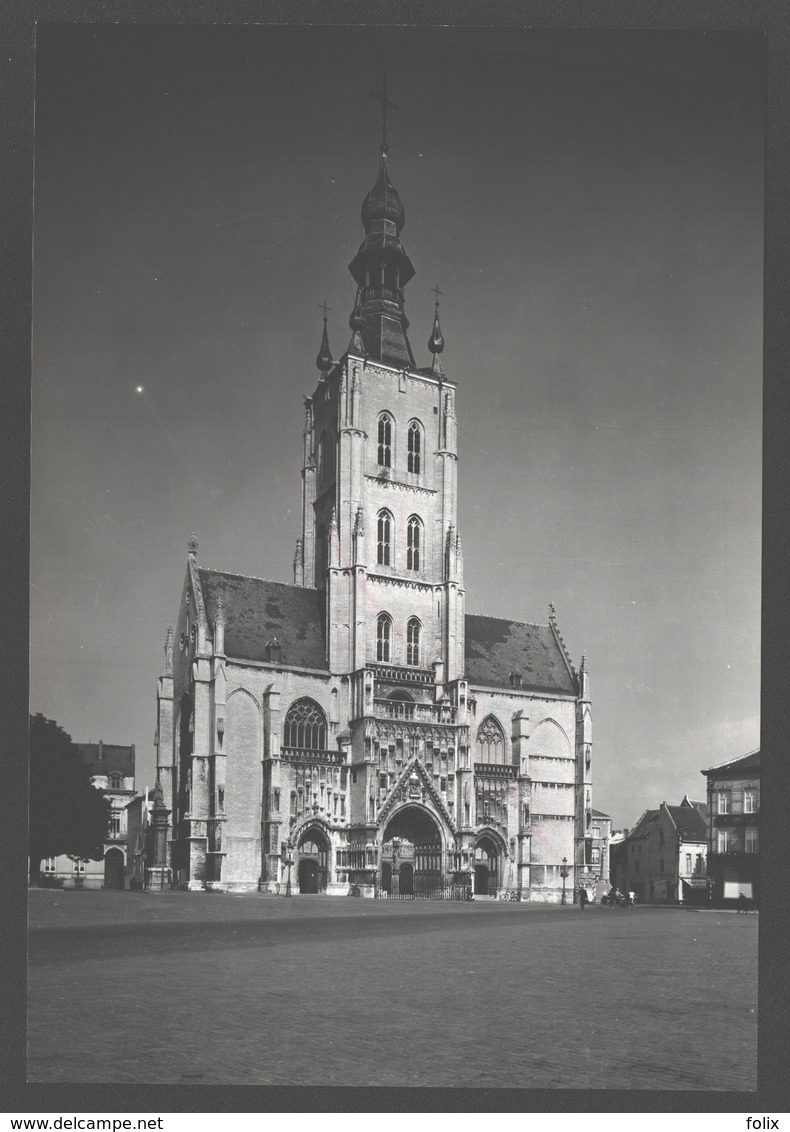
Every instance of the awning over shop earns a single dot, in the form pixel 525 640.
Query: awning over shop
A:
pixel 695 882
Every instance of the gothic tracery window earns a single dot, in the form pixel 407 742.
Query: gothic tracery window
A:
pixel 383 538
pixel 413 633
pixel 305 726
pixel 490 742
pixel 383 637
pixel 413 545
pixel 415 448
pixel 385 441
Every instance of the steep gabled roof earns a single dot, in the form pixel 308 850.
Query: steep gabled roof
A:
pixel 690 822
pixel 496 647
pixel 642 827
pixel 256 612
pixel 744 762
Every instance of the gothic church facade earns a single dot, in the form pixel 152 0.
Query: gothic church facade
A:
pixel 357 731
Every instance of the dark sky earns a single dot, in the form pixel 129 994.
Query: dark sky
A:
pixel 591 205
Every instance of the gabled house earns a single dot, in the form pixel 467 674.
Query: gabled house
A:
pixel 663 858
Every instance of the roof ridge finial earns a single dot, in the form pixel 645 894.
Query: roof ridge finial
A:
pixel 192 545
pixel 385 102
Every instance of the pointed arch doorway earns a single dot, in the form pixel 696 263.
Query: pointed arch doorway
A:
pixel 313 858
pixel 486 867
pixel 412 855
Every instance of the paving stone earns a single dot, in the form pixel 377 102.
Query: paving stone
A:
pixel 337 991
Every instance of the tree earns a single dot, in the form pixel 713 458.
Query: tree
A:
pixel 67 813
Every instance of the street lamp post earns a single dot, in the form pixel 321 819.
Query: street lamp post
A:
pixel 289 861
pixel 564 875
pixel 395 886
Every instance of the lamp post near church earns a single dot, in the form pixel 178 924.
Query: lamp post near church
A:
pixel 564 875
pixel 289 861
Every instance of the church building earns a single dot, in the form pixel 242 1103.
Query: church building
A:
pixel 355 731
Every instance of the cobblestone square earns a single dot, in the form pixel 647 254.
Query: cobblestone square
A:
pixel 338 991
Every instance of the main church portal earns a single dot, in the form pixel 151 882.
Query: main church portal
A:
pixel 412 855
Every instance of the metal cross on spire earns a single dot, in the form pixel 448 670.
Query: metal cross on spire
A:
pixel 437 292
pixel 385 103
pixel 323 307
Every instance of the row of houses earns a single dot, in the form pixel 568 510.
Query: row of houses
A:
pixel 698 852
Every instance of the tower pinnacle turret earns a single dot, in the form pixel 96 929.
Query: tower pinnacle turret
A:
pixel 324 359
pixel 436 341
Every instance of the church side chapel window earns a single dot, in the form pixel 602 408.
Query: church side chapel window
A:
pixel 490 742
pixel 383 637
pixel 415 448
pixel 414 540
pixel 385 441
pixel 384 538
pixel 305 726
pixel 413 631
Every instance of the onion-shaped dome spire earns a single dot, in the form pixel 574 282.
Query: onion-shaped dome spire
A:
pixel 381 269
pixel 383 201
pixel 324 358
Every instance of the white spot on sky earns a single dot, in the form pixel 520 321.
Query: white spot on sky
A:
pixel 139 388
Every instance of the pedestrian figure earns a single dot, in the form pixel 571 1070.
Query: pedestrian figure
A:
pixel 631 899
pixel 582 898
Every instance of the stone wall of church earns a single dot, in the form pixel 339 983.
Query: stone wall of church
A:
pixel 266 794
pixel 546 805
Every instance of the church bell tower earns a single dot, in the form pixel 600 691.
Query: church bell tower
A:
pixel 379 499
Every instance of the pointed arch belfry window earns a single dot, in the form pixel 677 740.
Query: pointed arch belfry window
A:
pixel 383 637
pixel 385 441
pixel 305 726
pixel 413 543
pixel 413 640
pixel 415 448
pixel 490 742
pixel 383 538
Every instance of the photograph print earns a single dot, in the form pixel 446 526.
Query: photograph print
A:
pixel 395 556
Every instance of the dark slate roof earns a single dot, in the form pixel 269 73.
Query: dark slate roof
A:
pixel 690 821
pixel 600 814
pixel 114 759
pixel 496 647
pixel 642 827
pixel 743 762
pixel 256 611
